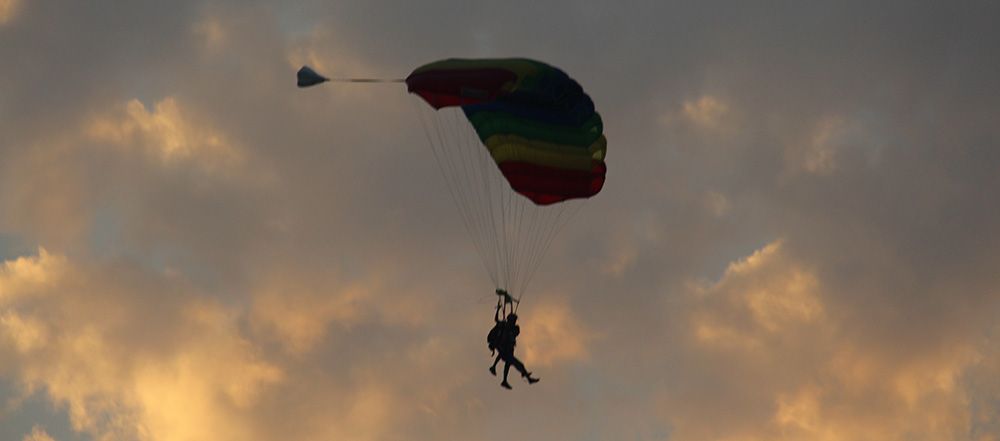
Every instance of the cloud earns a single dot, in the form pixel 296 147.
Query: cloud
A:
pixel 795 370
pixel 27 334
pixel 213 34
pixel 717 203
pixel 168 135
pixel 225 256
pixel 43 191
pixel 553 335
pixel 26 275
pixel 8 10
pixel 834 140
pixel 37 434
pixel 819 154
pixel 759 298
pixel 706 111
pixel 298 316
pixel 160 365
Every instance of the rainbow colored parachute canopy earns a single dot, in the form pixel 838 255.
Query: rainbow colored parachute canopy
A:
pixel 537 122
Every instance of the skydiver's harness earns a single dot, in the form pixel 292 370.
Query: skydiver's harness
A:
pixel 505 303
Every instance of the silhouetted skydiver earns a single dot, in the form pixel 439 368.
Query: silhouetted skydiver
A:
pixel 499 328
pixel 503 338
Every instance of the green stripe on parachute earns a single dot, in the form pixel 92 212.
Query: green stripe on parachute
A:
pixel 489 123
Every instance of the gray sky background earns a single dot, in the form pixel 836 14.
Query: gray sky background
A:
pixel 797 238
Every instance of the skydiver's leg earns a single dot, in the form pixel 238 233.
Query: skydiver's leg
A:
pixel 524 372
pixel 493 369
pixel 506 370
pixel 519 366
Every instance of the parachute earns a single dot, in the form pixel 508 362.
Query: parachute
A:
pixel 544 154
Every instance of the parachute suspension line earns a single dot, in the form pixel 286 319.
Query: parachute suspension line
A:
pixel 473 178
pixel 463 168
pixel 476 160
pixel 504 240
pixel 531 237
pixel 545 238
pixel 561 223
pixel 441 162
pixel 510 233
pixel 539 220
pixel 565 214
pixel 512 241
pixel 493 188
pixel 467 153
pixel 522 242
pixel 473 153
pixel 516 210
pixel 471 156
pixel 447 168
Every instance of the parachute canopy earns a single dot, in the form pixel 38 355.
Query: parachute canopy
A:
pixel 539 126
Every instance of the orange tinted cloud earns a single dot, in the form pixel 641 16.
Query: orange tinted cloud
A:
pixel 37 434
pixel 73 329
pixel 8 10
pixel 167 133
pixel 230 257
pixel 552 334
pixel 764 323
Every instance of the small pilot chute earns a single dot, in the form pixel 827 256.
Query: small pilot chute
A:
pixel 308 77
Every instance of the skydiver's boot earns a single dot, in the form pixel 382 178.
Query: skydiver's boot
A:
pixel 493 370
pixel 506 385
pixel 530 379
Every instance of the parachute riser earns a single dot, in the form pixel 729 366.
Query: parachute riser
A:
pixel 506 303
pixel 367 80
pixel 307 77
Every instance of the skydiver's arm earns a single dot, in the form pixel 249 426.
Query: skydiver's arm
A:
pixel 496 315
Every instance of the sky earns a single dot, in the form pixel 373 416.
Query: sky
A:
pixel 797 239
